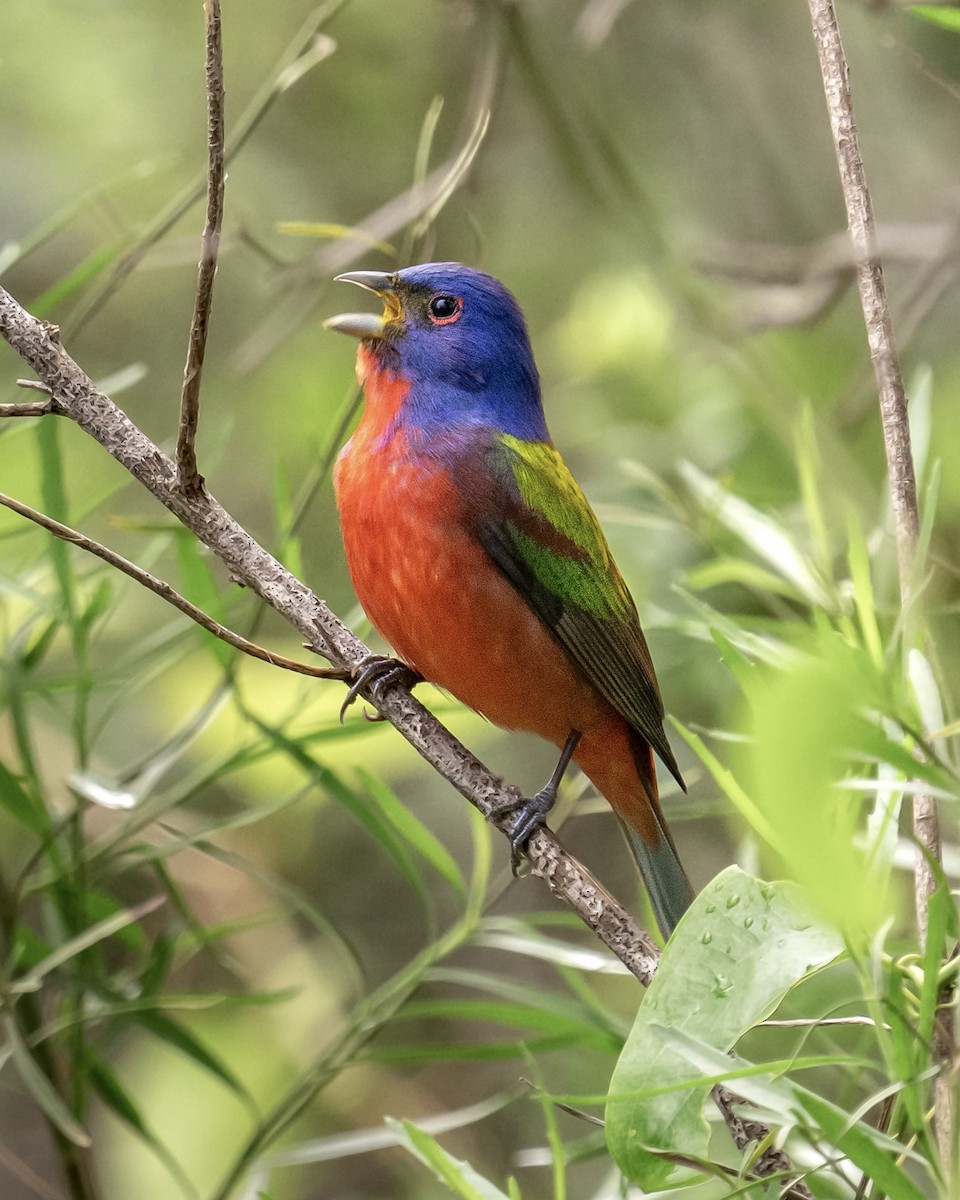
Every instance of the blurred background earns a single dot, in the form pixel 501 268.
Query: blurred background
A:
pixel 656 184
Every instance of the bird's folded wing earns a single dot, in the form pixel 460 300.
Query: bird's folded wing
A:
pixel 533 520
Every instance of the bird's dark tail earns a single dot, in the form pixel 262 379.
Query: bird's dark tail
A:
pixel 619 761
pixel 664 877
pixel 666 881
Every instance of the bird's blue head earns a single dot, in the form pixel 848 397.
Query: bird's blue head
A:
pixel 460 339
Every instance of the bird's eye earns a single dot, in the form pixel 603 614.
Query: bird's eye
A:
pixel 444 309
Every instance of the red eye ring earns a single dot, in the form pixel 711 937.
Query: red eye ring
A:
pixel 444 309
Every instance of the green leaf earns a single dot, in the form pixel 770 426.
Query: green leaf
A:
pixel 40 1088
pixel 736 952
pixel 77 945
pixel 74 280
pixel 723 570
pixel 936 14
pixel 870 1149
pixel 19 803
pixel 413 831
pixel 199 586
pixel 459 1176
pixel 176 1035
pixel 114 1095
pixel 859 1143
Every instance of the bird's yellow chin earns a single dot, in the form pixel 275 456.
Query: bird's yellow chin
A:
pixel 392 307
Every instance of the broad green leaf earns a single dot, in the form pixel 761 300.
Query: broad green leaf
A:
pixel 459 1176
pixel 809 726
pixel 874 1152
pixel 736 952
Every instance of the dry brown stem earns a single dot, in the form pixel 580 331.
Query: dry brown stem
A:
pixel 896 439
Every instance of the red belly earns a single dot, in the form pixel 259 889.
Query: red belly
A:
pixel 434 594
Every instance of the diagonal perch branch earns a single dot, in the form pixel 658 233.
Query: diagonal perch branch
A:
pixel 250 564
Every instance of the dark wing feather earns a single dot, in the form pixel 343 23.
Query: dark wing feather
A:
pixel 535 523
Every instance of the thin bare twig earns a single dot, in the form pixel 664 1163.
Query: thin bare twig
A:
pixel 896 437
pixel 189 478
pixel 307 48
pixel 162 589
pixel 36 408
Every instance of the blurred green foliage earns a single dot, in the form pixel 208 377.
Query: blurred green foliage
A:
pixel 238 936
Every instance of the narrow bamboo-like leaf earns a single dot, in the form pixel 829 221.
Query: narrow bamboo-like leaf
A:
pixel 199 586
pixel 734 955
pixel 764 535
pixel 731 789
pixel 512 1015
pixel 114 1095
pixel 413 1053
pixel 40 642
pixel 379 1137
pixel 459 1176
pixel 76 945
pixel 179 1037
pixel 329 229
pixel 285 520
pixel 413 831
pixel 18 802
pixel 807 457
pixel 859 559
pixel 40 1088
pixel 737 663
pixel 946 18
pixel 367 814
pixel 857 1141
pixel 724 570
pixel 873 1151
pixel 79 277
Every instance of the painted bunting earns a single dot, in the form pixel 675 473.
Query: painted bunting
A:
pixel 478 558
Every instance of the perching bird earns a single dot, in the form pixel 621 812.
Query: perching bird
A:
pixel 478 558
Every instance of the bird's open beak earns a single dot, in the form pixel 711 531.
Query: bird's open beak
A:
pixel 368 326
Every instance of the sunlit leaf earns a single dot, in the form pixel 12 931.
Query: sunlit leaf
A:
pixel 459 1176
pixel 728 964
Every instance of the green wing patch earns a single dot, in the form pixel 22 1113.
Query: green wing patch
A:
pixel 542 533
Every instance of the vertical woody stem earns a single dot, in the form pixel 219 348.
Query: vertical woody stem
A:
pixel 896 438
pixel 189 479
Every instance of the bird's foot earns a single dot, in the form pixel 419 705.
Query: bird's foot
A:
pixel 378 672
pixel 531 811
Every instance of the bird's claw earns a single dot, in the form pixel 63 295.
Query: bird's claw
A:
pixel 531 813
pixel 378 672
